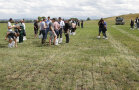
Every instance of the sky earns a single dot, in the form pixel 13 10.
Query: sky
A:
pixel 66 8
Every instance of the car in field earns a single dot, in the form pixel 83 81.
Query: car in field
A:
pixel 119 21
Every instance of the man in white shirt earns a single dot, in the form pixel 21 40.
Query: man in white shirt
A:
pixel 11 34
pixel 62 24
pixel 23 23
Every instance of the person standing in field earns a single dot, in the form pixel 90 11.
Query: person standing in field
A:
pixel 66 30
pixel 138 23
pixel 73 29
pixel 82 24
pixel 102 28
pixel 36 27
pixel 48 21
pixel 79 23
pixel 62 24
pixel 52 32
pixel 24 32
pixel 11 34
pixel 136 20
pixel 43 30
pixel 21 32
pixel 132 24
pixel 57 29
pixel 40 32
pixel 16 29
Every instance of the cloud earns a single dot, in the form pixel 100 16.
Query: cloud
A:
pixel 66 8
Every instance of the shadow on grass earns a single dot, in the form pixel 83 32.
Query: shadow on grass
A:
pixel 3 46
pixel 38 44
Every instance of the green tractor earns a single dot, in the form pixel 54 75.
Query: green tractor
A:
pixel 119 21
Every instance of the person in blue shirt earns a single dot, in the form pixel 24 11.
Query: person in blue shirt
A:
pixel 102 28
pixel 48 21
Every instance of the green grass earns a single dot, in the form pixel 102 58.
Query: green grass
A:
pixel 86 63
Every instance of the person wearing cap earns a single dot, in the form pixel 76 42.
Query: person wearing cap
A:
pixel 52 33
pixel 11 34
pixel 62 24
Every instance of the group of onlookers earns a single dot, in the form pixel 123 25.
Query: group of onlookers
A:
pixel 134 23
pixel 19 33
pixel 55 28
pixel 52 27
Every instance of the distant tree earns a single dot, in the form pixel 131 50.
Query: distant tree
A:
pixel 43 17
pixel 39 18
pixel 74 18
pixel 88 19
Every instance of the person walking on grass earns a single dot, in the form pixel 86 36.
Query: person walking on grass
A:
pixel 52 33
pixel 11 34
pixel 66 30
pixel 132 24
pixel 43 30
pixel 102 28
pixel 36 27
pixel 62 24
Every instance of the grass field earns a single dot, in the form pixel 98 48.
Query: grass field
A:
pixel 86 63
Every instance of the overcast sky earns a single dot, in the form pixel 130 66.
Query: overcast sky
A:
pixel 66 8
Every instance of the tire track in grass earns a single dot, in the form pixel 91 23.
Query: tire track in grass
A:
pixel 128 34
pixel 124 51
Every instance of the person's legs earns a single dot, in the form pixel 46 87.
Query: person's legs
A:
pixel 138 25
pixel 21 36
pixel 67 38
pixel 104 34
pixel 50 39
pixel 46 33
pixel 57 32
pixel 56 40
pixel 24 35
pixel 15 42
pixel 60 32
pixel 44 36
pixel 100 30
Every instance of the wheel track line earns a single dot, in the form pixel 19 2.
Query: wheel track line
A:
pixel 124 51
pixel 124 32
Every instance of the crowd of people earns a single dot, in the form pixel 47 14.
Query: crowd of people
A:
pixel 19 33
pixel 54 27
pixel 134 24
